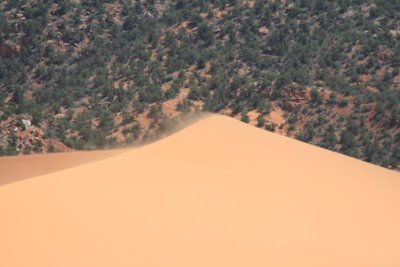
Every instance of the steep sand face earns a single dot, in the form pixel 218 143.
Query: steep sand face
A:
pixel 218 193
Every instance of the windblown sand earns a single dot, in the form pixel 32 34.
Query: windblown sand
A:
pixel 218 193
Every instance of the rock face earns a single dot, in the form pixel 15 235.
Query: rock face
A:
pixel 9 49
pixel 294 98
pixel 27 138
pixel 26 123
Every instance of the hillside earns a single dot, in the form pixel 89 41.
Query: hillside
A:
pixel 218 193
pixel 102 73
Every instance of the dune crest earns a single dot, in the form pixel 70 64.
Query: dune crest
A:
pixel 218 193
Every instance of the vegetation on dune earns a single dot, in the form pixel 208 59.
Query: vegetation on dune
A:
pixel 92 74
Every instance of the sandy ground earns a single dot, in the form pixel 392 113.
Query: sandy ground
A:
pixel 218 193
pixel 18 168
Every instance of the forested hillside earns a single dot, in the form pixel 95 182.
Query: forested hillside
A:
pixel 102 73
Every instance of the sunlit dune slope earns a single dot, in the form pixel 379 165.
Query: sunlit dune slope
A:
pixel 218 193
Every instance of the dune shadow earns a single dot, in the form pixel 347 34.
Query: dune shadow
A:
pixel 17 168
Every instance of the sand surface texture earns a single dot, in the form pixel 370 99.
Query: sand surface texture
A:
pixel 218 193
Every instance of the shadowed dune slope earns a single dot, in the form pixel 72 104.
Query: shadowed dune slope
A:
pixel 218 193
pixel 16 168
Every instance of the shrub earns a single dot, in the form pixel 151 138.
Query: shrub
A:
pixel 343 103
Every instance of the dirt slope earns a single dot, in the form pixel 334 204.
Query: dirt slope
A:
pixel 218 193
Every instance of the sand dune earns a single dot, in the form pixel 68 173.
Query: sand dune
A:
pixel 14 169
pixel 218 193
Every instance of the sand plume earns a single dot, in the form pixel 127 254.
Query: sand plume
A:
pixel 218 193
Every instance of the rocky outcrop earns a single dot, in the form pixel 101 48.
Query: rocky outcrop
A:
pixel 294 98
pixel 9 49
